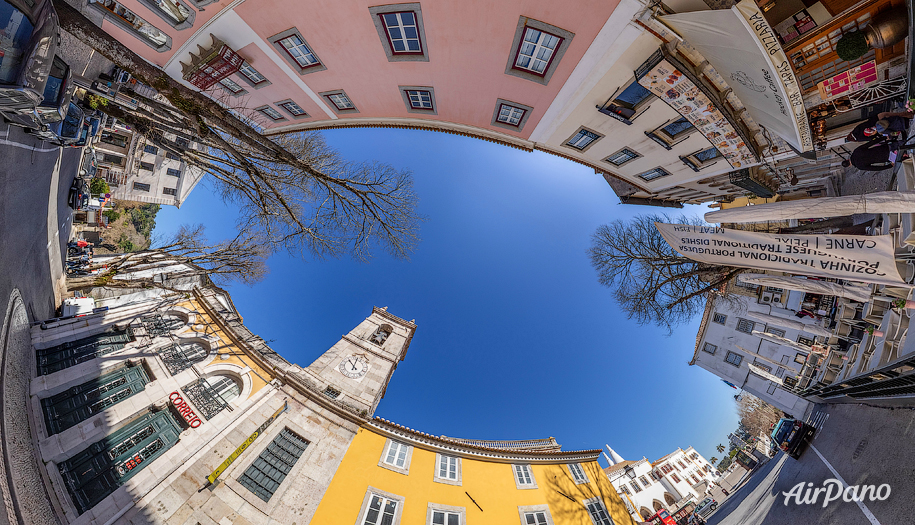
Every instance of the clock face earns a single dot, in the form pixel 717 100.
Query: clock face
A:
pixel 354 366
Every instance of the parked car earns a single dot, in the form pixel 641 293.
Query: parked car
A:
pixel 706 508
pixel 78 197
pixel 790 435
pixel 31 38
pixel 64 132
pixel 90 129
pixel 57 93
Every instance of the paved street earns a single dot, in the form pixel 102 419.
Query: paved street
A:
pixel 859 443
pixel 35 223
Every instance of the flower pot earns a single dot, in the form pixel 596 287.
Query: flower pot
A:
pixel 878 333
pixel 910 304
pixel 888 28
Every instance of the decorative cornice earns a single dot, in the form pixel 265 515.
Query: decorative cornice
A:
pixel 456 448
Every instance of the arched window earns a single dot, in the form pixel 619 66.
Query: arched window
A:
pixel 669 499
pixel 645 513
pixel 381 334
pixel 181 356
pixel 157 324
pixel 212 394
pixel 657 505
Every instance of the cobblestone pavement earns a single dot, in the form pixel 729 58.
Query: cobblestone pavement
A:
pixel 857 182
pixel 83 60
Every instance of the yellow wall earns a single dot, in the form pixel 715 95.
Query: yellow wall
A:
pixel 204 323
pixel 491 484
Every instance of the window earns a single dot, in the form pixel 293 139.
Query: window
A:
pixel 272 466
pixel 625 489
pixel 396 456
pixel 583 139
pixel 447 469
pixel 695 479
pixel 510 115
pixel 271 113
pixel 524 477
pixel 622 157
pixel 644 481
pixel 148 166
pixel 805 340
pixel 180 357
pixel 598 512
pixel 800 358
pixel 444 515
pixel 114 139
pixel 682 466
pixel 292 46
pixel 578 473
pixel 400 30
pixel 626 105
pixel 150 149
pixel 212 394
pixel 671 133
pixel 182 142
pixel 777 331
pixel 380 335
pixel 170 191
pixel 79 403
pixel 654 173
pixel 380 510
pixel 720 318
pixel 702 158
pixel 251 75
pixel 419 99
pixel 129 21
pixel 173 172
pixel 536 517
pixel 232 86
pixel 635 487
pixel 733 358
pixel 674 477
pixel 746 326
pixel 536 50
pixel 331 392
pixel 171 156
pixel 292 108
pixel 139 186
pixel 339 101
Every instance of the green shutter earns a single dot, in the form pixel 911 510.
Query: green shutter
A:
pixel 79 403
pixel 94 473
pixel 65 355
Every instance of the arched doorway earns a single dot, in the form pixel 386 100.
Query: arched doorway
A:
pixel 669 499
pixel 645 513
pixel 657 505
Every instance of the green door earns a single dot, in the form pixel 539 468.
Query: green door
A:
pixel 65 355
pixel 79 403
pixel 94 473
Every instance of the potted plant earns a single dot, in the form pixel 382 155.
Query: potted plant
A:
pixel 886 29
pixel 902 304
pixel 873 331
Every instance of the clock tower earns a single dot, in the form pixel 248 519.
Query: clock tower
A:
pixel 356 370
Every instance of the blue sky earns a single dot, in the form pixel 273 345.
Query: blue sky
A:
pixel 516 339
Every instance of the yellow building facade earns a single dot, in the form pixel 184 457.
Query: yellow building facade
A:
pixel 394 475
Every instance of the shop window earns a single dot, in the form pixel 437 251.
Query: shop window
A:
pixel 79 403
pixel 272 466
pixel 93 474
pixel 65 355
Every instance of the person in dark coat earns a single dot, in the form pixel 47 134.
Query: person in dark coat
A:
pixel 873 156
pixel 883 123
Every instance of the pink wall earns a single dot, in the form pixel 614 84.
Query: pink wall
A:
pixel 468 42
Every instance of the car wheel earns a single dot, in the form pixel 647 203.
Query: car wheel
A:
pixel 713 506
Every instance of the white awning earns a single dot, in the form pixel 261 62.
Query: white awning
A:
pixel 878 202
pixel 741 46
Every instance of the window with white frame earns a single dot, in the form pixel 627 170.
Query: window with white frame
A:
pixel 251 74
pixel 535 515
pixel 720 318
pixel 536 51
pixel 231 86
pixel 582 139
pixel 635 487
pixel 292 108
pixel 644 481
pixel 419 99
pixel 271 113
pixel 598 512
pixel 447 469
pixel 654 173
pixel 535 518
pixel 396 456
pixel 710 348
pixel 733 358
pixel 339 100
pixel 299 51
pixel 622 157
pixel 444 516
pixel 402 30
pixel 510 115
pixel 578 473
pixel 380 510
pixel 524 477
pixel 625 489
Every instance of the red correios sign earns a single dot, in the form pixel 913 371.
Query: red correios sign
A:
pixel 184 409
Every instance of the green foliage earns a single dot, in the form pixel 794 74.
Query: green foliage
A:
pixel 96 101
pixel 126 245
pixel 98 186
pixel 852 46
pixel 113 215
pixel 143 218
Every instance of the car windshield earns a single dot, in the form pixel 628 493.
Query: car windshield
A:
pixel 15 31
pixel 71 125
pixel 56 79
pixel 782 431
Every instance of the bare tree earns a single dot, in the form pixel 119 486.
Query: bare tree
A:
pixel 756 416
pixel 185 256
pixel 650 280
pixel 295 193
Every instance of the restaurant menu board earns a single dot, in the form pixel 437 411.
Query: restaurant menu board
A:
pixel 675 88
pixel 849 81
pixel 794 26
